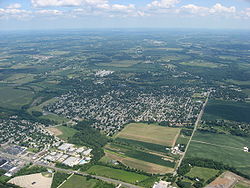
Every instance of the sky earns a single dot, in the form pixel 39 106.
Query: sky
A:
pixel 91 14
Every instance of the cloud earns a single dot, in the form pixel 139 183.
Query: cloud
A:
pixel 218 8
pixel 205 11
pixel 163 4
pixel 14 6
pixel 58 3
pixel 49 12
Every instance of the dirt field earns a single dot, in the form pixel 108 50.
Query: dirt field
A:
pixel 227 180
pixel 32 181
pixel 141 165
pixel 150 133
pixel 55 131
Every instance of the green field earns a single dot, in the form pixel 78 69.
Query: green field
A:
pixel 140 155
pixel 150 133
pixel 67 132
pixel 77 181
pixel 146 145
pixel 202 173
pixel 235 111
pixel 12 98
pixel 201 64
pixel 238 82
pixel 227 149
pixel 242 185
pixel 118 174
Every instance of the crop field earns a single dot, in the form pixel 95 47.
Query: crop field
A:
pixel 19 78
pixel 118 174
pixel 136 153
pixel 238 82
pixel 201 64
pixel 202 173
pixel 121 64
pixel 150 133
pixel 235 111
pixel 14 98
pixel 227 149
pixel 146 145
pixel 136 163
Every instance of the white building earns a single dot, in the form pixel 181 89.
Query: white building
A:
pixel 71 161
pixel 65 146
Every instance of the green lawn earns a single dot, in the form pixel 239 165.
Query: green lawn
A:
pixel 67 132
pixel 118 174
pixel 202 173
pixel 77 181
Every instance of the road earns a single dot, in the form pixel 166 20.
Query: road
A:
pixel 109 180
pixel 194 130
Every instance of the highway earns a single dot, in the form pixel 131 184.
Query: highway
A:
pixel 109 180
pixel 194 130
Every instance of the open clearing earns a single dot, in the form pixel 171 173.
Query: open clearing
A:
pixel 65 132
pixel 229 180
pixel 77 181
pixel 227 149
pixel 12 98
pixel 202 173
pixel 32 181
pixel 118 174
pixel 150 133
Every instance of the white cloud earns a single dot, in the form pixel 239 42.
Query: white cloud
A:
pixel 57 3
pixel 163 4
pixel 14 13
pixel 218 8
pixel 49 12
pixel 194 9
pixel 14 6
pixel 205 11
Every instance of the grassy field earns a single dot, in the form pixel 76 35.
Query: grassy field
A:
pixel 118 174
pixel 242 185
pixel 238 82
pixel 77 181
pixel 150 133
pixel 66 132
pixel 53 117
pixel 202 173
pixel 124 63
pixel 235 111
pixel 19 78
pixel 14 98
pixel 227 149
pixel 201 64
pixel 136 163
pixel 151 157
pixel 146 145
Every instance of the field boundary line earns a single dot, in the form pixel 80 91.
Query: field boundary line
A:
pixel 194 130
pixel 224 146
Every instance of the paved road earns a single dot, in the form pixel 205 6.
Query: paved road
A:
pixel 194 130
pixel 109 180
